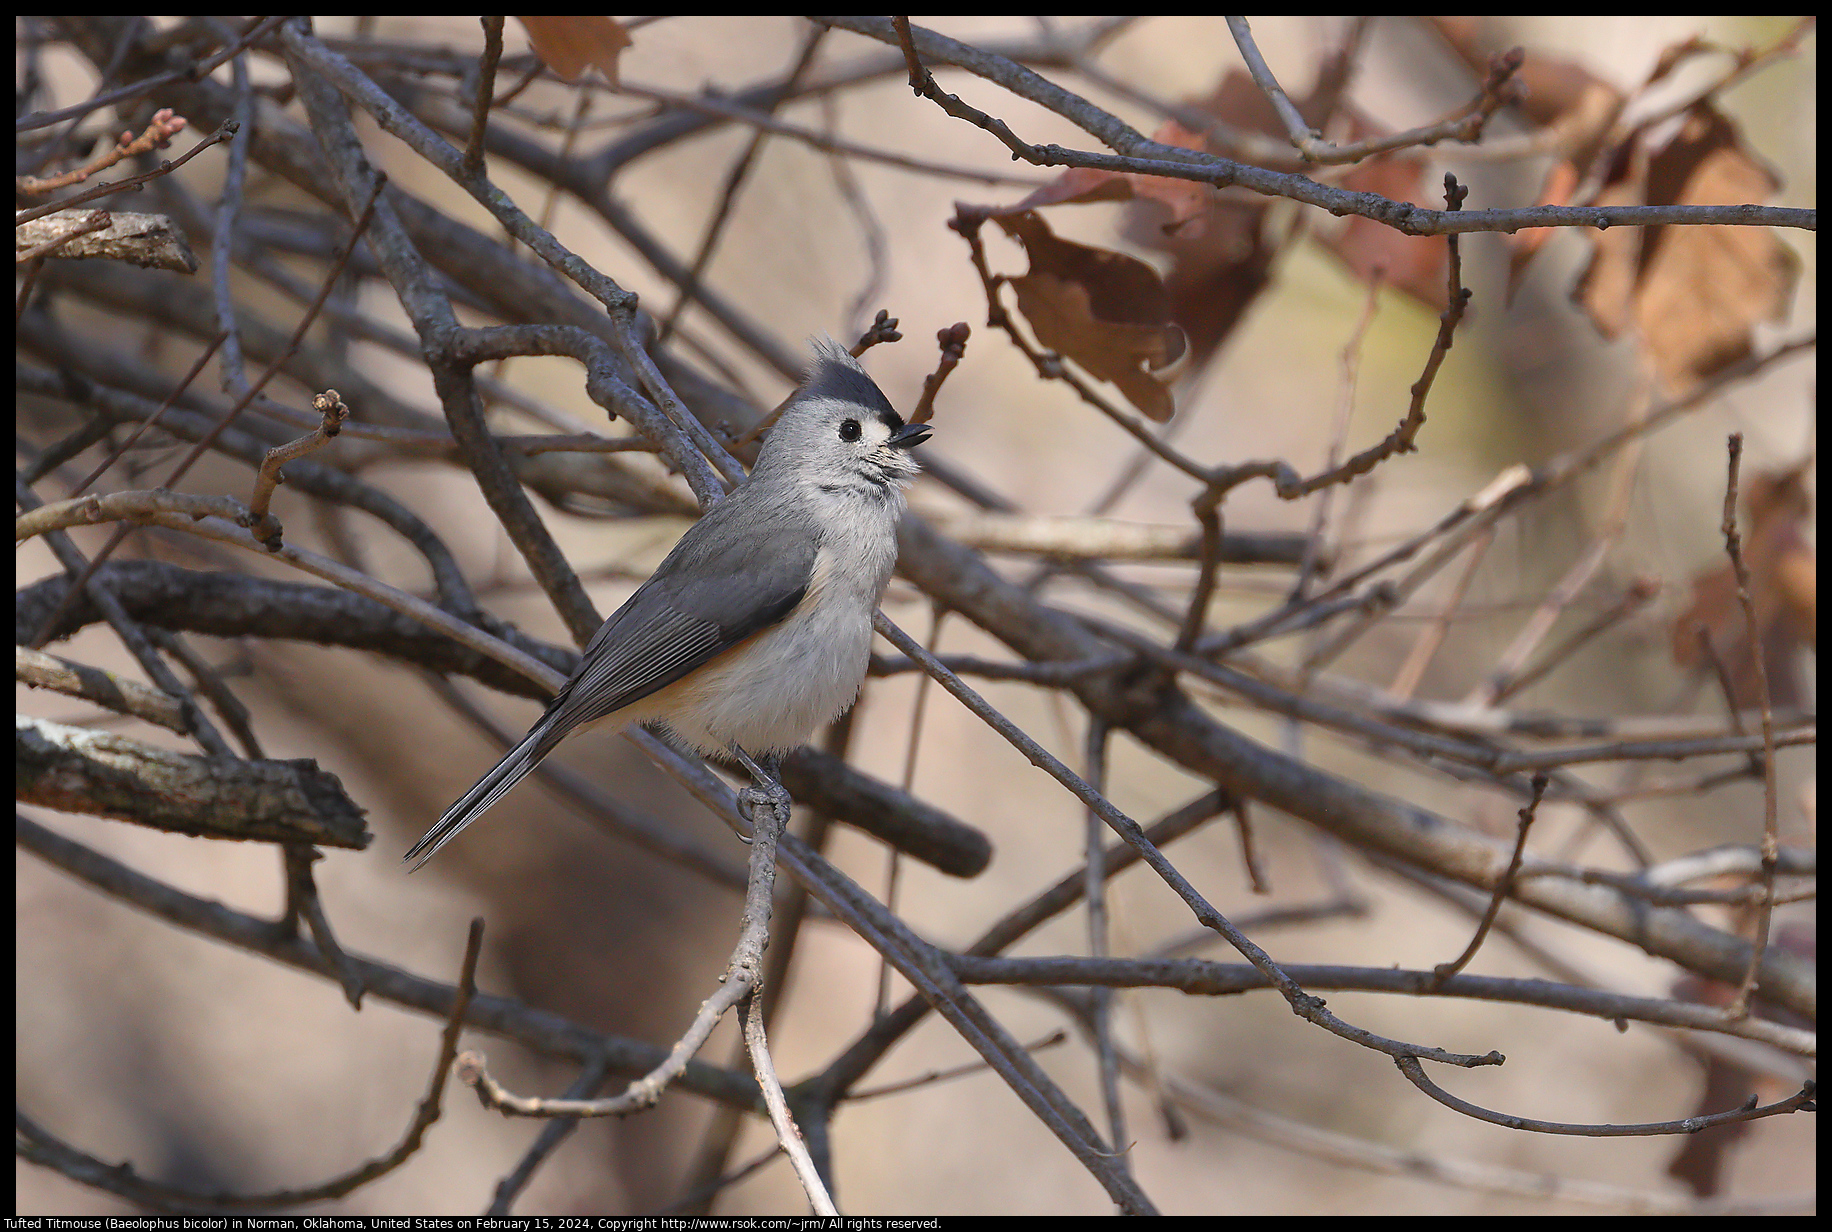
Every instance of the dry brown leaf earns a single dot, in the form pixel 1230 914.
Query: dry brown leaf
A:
pixel 1220 263
pixel 1187 202
pixel 1414 264
pixel 568 44
pixel 1700 1161
pixel 1076 185
pixel 1220 254
pixel 1691 294
pixel 1700 291
pixel 1782 589
pixel 1221 257
pixel 1701 1158
pixel 1607 287
pixel 1079 185
pixel 1105 310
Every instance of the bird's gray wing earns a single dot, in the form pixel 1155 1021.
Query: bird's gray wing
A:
pixel 705 599
pixel 715 589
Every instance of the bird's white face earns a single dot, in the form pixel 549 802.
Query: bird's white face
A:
pixel 846 442
pixel 842 433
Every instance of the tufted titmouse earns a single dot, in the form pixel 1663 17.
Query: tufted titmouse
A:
pixel 757 626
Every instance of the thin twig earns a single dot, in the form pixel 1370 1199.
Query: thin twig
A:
pixel 1094 893
pixel 256 31
pixel 727 108
pixel 1053 1040
pixel 224 133
pixel 1408 1162
pixel 953 342
pixel 788 1135
pixel 1771 836
pixel 1750 1111
pixel 486 89
pixel 922 83
pixel 1206 978
pixel 1505 883
pixel 1638 594
pixel 1308 1007
pixel 545 1143
pixel 1147 157
pixel 1432 636
pixel 1401 439
pixel 332 412
pixel 1314 561
pixel 743 976
pixel 272 370
pixel 1577 576
pixel 1498 90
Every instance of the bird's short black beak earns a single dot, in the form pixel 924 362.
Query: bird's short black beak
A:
pixel 909 436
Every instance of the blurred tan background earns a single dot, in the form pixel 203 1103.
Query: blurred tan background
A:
pixel 210 1068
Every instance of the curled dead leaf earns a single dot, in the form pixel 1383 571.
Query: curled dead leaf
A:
pixel 1701 291
pixel 1105 310
pixel 1692 295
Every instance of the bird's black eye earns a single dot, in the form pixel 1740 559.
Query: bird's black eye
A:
pixel 849 429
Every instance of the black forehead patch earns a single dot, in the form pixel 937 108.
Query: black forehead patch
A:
pixel 835 378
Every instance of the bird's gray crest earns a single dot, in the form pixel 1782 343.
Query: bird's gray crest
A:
pixel 837 375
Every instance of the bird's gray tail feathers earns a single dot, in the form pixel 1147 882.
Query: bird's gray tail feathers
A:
pixel 516 763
